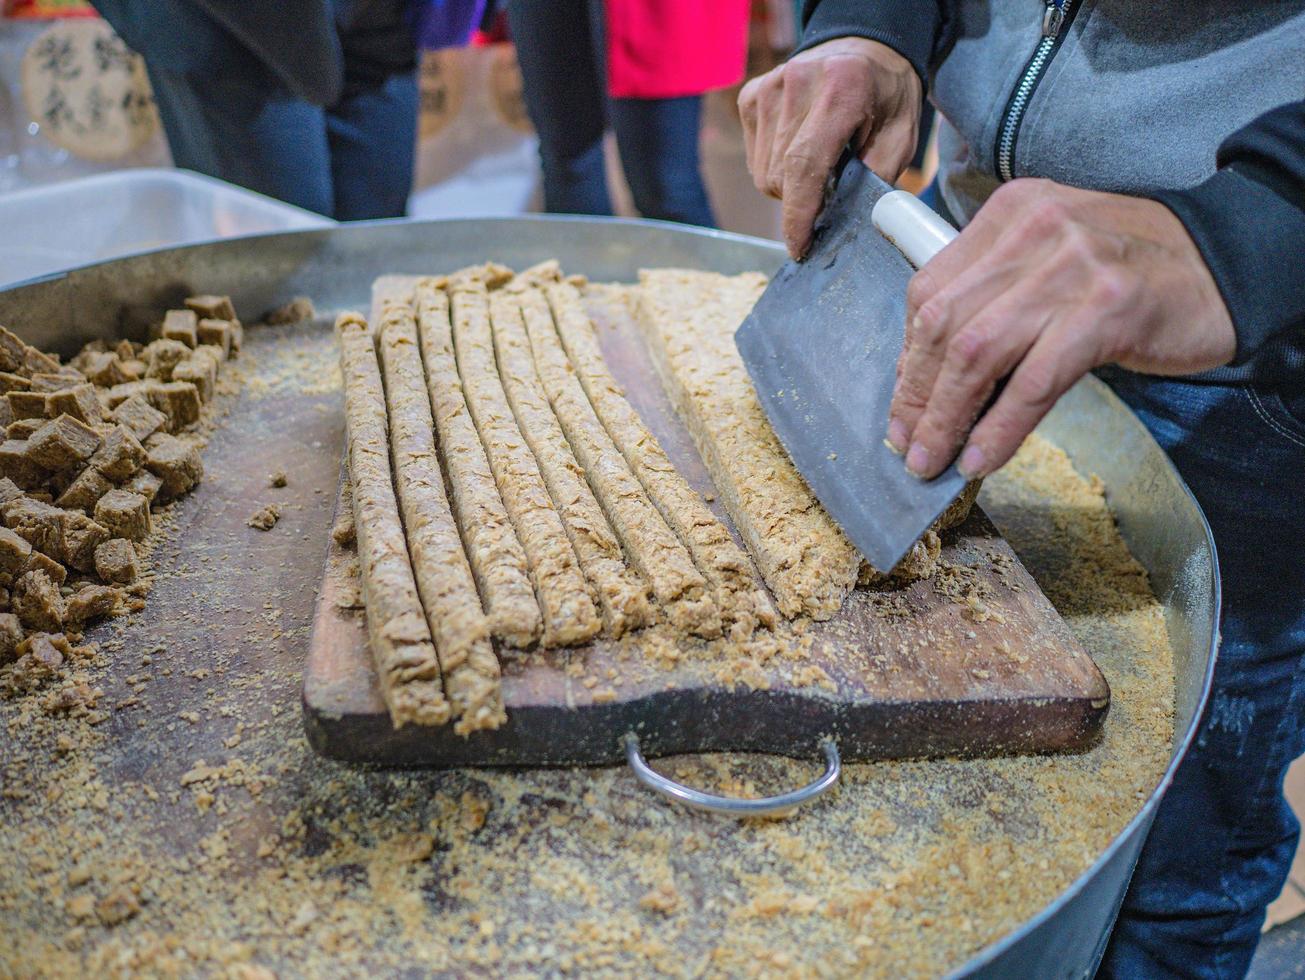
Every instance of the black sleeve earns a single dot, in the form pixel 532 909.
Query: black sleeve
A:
pixel 909 27
pixel 1248 220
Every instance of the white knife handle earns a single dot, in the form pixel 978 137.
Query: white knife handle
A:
pixel 916 229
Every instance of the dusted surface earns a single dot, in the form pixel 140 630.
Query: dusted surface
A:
pixel 333 839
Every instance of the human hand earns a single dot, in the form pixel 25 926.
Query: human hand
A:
pixel 797 119
pixel 1045 284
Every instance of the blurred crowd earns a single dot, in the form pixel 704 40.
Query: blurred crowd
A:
pixel 315 102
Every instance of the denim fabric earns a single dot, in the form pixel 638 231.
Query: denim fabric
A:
pixel 560 50
pixel 351 159
pixel 1224 836
pixel 658 142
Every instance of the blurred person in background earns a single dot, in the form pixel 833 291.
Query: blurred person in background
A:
pixel 313 102
pixel 640 66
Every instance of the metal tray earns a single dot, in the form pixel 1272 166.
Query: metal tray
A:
pixel 1157 515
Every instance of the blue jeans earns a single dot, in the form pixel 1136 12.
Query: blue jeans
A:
pixel 349 160
pixel 560 50
pixel 1224 836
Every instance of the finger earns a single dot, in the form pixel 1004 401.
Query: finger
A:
pixel 997 232
pixel 889 149
pixel 930 325
pixel 810 158
pixel 958 282
pixel 974 261
pixel 982 352
pixel 794 106
pixel 917 368
pixel 748 117
pixel 972 287
pixel 1057 360
pixel 763 141
pixel 921 290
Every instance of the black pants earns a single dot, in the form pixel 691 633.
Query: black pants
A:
pixel 560 49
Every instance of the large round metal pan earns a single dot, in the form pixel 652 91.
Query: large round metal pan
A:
pixel 1157 515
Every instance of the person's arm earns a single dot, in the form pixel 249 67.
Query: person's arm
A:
pixel 857 77
pixel 1048 282
pixel 1248 221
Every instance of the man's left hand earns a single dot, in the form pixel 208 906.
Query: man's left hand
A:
pixel 1045 284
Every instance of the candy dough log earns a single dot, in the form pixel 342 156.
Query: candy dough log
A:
pixel 498 562
pixel 472 682
pixel 405 658
pixel 621 592
pixel 720 560
pixel 568 610
pixel 689 319
pixel 652 546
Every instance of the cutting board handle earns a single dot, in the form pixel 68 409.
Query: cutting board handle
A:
pixel 730 805
pixel 917 230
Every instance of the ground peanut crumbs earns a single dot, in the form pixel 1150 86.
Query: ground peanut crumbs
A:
pixel 137 843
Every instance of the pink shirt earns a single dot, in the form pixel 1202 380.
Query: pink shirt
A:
pixel 669 48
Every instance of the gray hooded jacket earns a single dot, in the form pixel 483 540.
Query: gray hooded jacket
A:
pixel 1197 103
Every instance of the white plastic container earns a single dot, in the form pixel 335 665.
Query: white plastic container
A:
pixel 53 227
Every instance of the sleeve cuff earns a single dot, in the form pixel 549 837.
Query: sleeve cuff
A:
pixel 908 28
pixel 1248 236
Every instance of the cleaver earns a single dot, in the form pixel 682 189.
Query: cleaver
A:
pixel 822 345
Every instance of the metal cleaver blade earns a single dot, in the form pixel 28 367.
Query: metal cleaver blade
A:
pixel 822 345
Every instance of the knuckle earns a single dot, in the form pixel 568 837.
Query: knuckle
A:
pixel 930 324
pixel 930 433
pixel 771 80
pixel 1047 216
pixel 935 426
pixel 1077 246
pixel 801 160
pixel 998 429
pixel 799 72
pixel 1037 386
pixel 970 347
pixel 920 289
pixel 1112 287
pixel 748 95
pixel 1003 439
pixel 800 153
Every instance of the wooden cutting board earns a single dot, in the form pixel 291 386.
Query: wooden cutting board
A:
pixel 973 662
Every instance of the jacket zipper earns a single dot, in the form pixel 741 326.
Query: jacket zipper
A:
pixel 1055 20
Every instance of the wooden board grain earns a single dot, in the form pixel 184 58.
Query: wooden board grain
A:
pixel 907 672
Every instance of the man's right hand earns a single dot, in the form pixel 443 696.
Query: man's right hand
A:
pixel 798 118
